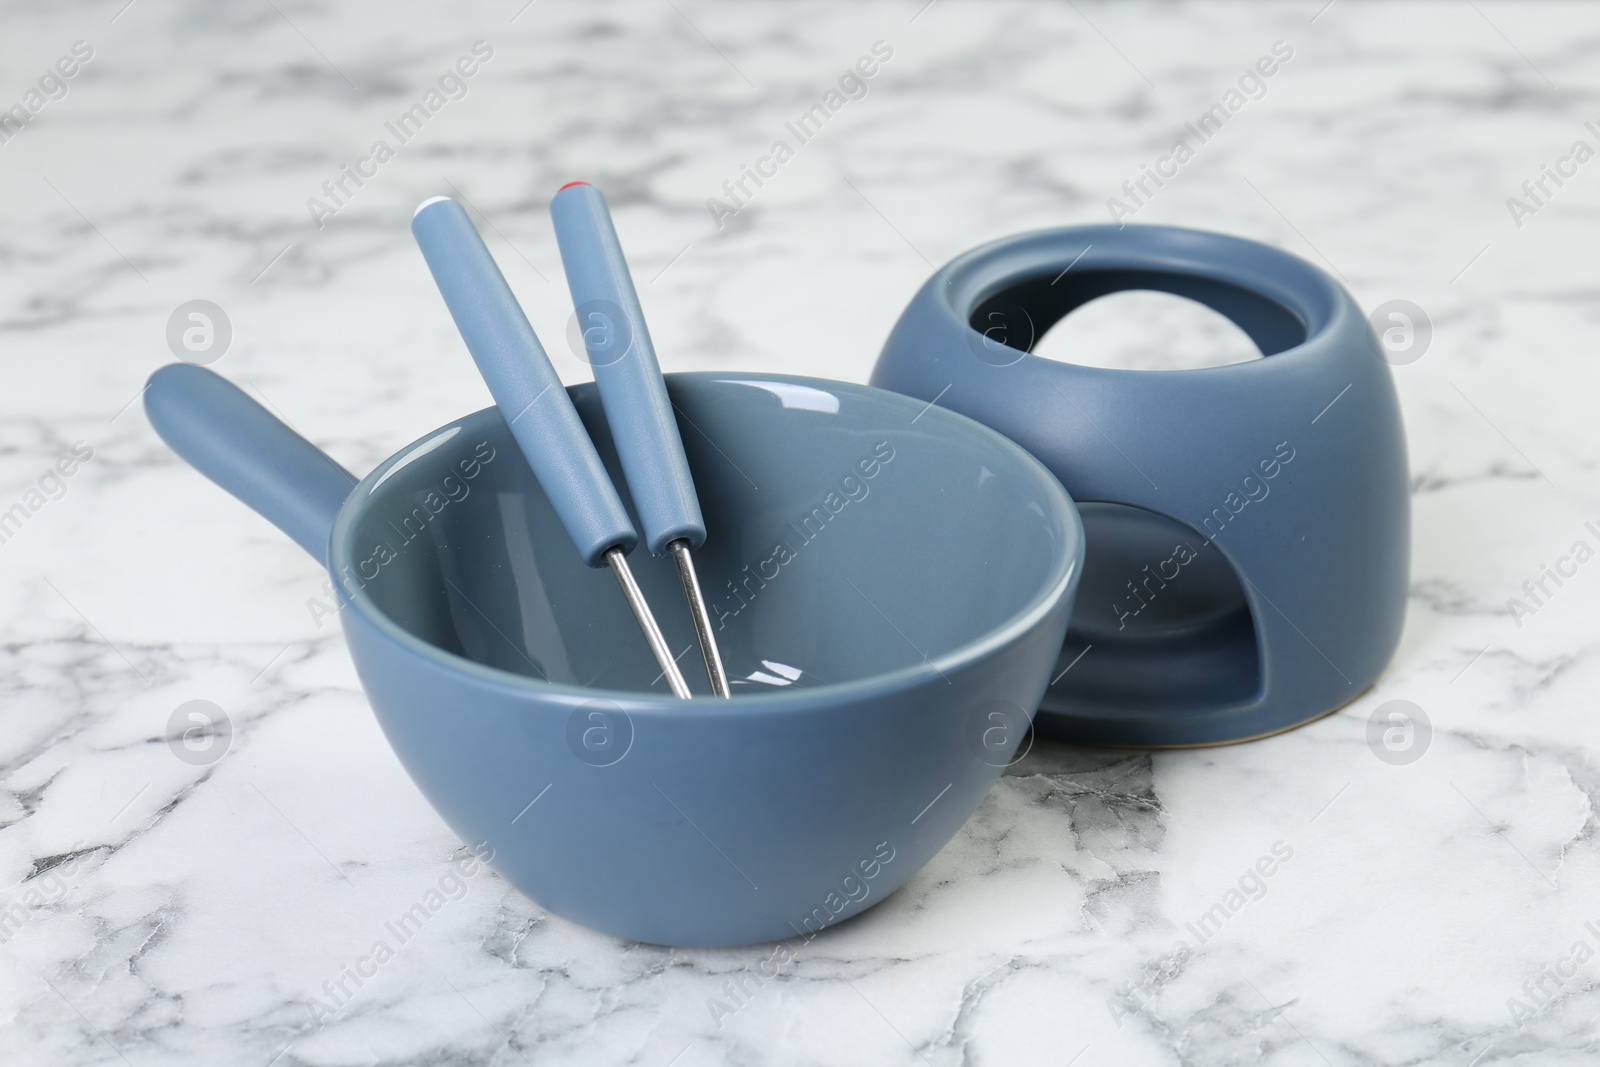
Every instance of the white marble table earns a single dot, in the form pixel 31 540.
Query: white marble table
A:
pixel 193 911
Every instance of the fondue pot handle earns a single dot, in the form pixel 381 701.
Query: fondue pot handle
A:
pixel 245 449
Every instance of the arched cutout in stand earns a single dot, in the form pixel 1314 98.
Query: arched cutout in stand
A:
pixel 1161 620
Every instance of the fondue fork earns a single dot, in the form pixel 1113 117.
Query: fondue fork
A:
pixel 535 406
pixel 634 395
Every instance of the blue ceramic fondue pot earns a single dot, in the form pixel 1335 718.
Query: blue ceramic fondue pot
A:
pixel 891 585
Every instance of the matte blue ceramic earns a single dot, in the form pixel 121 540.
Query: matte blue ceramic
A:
pixel 1248 526
pixel 892 584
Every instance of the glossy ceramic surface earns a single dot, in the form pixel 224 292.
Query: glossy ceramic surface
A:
pixel 892 582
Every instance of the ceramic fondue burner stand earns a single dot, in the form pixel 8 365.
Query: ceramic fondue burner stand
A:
pixel 1248 526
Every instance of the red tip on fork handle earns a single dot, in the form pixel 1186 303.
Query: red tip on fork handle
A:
pixel 569 185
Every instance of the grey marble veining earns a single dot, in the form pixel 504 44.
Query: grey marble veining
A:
pixel 217 910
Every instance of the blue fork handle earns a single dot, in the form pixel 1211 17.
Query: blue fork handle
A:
pixel 240 445
pixel 625 369
pixel 523 382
